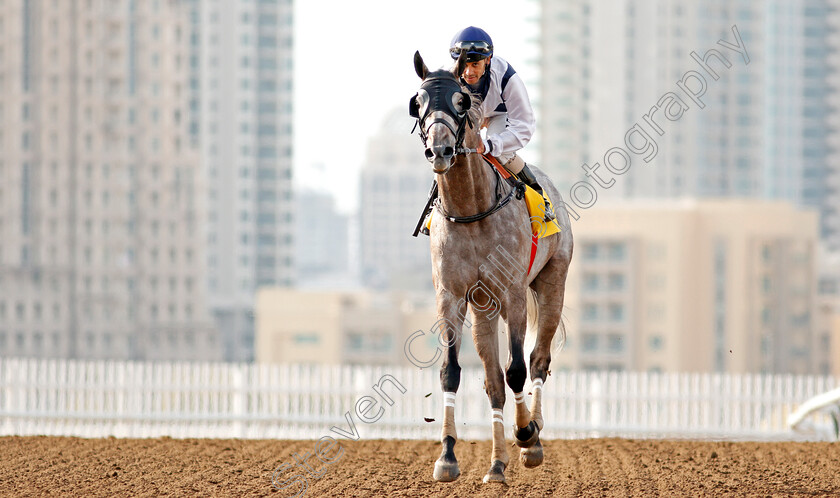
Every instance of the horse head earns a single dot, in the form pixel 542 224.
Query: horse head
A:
pixel 440 108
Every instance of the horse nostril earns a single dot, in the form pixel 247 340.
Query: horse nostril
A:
pixel 429 154
pixel 448 151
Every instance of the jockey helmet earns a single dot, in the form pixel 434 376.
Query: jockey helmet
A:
pixel 475 41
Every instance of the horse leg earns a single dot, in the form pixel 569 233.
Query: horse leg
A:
pixel 446 466
pixel 486 338
pixel 525 432
pixel 550 294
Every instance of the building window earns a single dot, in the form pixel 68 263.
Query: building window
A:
pixel 590 342
pixel 310 338
pixel 615 344
pixel 355 341
pixel 656 342
pixel 382 342
pixel 590 312
pixel 766 284
pixel 616 251
pixel 590 281
pixel 766 253
pixel 590 252
pixel 616 312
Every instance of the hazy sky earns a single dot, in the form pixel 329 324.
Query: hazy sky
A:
pixel 354 64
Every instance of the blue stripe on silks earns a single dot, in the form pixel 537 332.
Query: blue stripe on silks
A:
pixel 507 76
pixel 484 85
pixel 500 108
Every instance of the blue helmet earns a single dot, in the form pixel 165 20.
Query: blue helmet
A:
pixel 475 41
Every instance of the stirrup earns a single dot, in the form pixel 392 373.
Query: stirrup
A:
pixel 549 213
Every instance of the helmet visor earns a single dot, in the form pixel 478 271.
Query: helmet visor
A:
pixel 471 47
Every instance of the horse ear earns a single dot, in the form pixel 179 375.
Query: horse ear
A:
pixel 414 107
pixel 460 65
pixel 466 103
pixel 420 66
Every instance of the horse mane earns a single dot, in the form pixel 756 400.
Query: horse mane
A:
pixel 475 114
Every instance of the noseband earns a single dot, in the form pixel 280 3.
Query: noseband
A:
pixel 441 100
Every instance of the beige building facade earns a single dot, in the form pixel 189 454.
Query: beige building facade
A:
pixel 101 247
pixel 351 327
pixel 697 286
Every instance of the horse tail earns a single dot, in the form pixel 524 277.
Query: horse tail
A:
pixel 533 308
pixel 558 342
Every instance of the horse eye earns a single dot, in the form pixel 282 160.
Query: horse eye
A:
pixel 422 97
pixel 458 101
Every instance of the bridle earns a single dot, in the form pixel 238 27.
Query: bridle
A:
pixel 441 100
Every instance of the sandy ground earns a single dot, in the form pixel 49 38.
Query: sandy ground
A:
pixel 34 466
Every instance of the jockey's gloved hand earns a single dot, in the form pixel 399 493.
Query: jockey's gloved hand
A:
pixel 488 146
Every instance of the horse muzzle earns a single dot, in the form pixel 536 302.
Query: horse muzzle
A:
pixel 441 157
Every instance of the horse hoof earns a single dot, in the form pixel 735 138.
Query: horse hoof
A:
pixel 531 457
pixel 496 472
pixel 446 471
pixel 526 436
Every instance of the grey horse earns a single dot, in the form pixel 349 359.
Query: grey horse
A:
pixel 481 246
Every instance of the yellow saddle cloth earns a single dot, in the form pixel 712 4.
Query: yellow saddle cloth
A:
pixel 536 211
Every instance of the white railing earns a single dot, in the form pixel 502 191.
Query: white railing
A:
pixel 821 406
pixel 132 399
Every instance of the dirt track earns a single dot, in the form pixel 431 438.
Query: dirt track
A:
pixel 602 467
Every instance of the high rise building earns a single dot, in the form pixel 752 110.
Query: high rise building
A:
pixel 394 187
pixel 101 247
pixel 830 208
pixel 321 240
pixel 760 127
pixel 241 61
pixel 703 286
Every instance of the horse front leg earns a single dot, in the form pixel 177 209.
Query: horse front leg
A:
pixel 526 432
pixel 449 330
pixel 486 338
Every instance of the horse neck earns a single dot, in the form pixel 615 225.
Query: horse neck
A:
pixel 468 188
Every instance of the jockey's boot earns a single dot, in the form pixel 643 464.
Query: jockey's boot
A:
pixel 529 179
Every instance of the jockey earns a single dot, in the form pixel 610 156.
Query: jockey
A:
pixel 509 118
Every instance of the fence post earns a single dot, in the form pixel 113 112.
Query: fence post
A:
pixel 6 401
pixel 239 401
